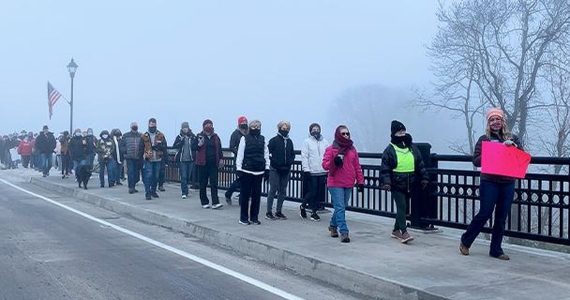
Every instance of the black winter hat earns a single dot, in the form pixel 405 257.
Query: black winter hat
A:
pixel 103 133
pixel 397 126
pixel 207 121
pixel 313 125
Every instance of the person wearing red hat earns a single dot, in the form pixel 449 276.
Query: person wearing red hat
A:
pixel 241 130
pixel 209 156
pixel 496 192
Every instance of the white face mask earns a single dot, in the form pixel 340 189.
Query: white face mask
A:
pixel 105 136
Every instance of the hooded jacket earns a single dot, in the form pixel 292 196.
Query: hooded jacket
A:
pixel 45 143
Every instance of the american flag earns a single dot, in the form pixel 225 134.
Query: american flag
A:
pixel 53 96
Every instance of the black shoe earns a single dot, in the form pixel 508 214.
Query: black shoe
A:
pixel 270 216
pixel 131 191
pixel 279 215
pixel 154 195
pixel 111 185
pixel 102 185
pixel 256 222
pixel 135 190
pixel 303 211
pixel 244 222
pixel 161 188
pixel 118 183
pixel 315 217
pixel 344 238
pixel 148 197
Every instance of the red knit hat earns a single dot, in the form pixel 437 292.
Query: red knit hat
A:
pixel 242 120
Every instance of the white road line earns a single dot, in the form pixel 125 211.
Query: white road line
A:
pixel 187 255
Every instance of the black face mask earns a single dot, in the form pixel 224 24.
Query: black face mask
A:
pixel 254 131
pixel 243 126
pixel 316 134
pixel 152 129
pixel 284 133
pixel 135 128
pixel 405 140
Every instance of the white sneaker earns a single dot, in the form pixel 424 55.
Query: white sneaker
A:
pixel 206 206
pixel 219 205
pixel 183 196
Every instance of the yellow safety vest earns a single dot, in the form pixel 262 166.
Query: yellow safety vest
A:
pixel 405 159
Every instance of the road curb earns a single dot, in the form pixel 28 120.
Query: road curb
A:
pixel 325 271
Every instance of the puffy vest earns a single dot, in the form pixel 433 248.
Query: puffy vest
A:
pixel 254 154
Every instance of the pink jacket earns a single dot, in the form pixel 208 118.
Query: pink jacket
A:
pixel 346 175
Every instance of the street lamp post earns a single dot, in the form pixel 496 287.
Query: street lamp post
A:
pixel 71 67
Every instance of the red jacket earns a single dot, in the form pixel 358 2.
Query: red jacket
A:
pixel 346 175
pixel 25 147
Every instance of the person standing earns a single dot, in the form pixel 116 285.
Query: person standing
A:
pixel 25 149
pixel 234 144
pixel 65 158
pixel 343 166
pixel 117 136
pixel 312 154
pixel 209 156
pixel 252 165
pixel 46 145
pixel 402 168
pixel 495 192
pixel 79 153
pixel 184 157
pixel 106 157
pixel 133 148
pixel 154 148
pixel 91 146
pixel 282 157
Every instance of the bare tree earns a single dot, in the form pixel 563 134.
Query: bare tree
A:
pixel 504 43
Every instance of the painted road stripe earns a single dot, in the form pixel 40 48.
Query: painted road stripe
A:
pixel 207 263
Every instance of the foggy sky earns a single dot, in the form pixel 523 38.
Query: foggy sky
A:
pixel 191 60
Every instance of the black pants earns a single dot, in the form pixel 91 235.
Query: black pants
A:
pixel 65 164
pixel 316 192
pixel 208 172
pixel 26 160
pixel 250 189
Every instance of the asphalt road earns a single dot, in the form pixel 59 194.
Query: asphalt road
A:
pixel 47 252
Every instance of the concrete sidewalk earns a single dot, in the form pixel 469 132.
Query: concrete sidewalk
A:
pixel 373 264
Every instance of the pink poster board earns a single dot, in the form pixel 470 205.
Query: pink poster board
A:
pixel 498 159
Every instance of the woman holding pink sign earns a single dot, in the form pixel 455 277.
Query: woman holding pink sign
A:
pixel 496 192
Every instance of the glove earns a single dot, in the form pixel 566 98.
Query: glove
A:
pixel 338 161
pixel 424 184
pixel 509 143
pixel 386 187
pixel 360 188
pixel 266 175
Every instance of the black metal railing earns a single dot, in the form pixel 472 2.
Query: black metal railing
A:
pixel 540 209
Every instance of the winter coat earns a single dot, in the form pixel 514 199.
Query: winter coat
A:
pixel 281 153
pixel 346 175
pixel 25 147
pixel 401 181
pixel 91 144
pixel 253 155
pixel 106 149
pixel 45 143
pixel 179 145
pixel 64 145
pixel 132 145
pixel 78 148
pixel 235 139
pixel 200 159
pixel 478 153
pixel 154 151
pixel 312 154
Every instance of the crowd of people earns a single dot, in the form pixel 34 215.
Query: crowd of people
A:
pixel 326 166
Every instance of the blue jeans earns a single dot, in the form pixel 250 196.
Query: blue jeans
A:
pixel 497 196
pixel 339 198
pixel 133 172
pixel 46 163
pixel 111 166
pixel 185 168
pixel 151 170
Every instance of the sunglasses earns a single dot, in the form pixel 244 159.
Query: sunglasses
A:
pixel 345 133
